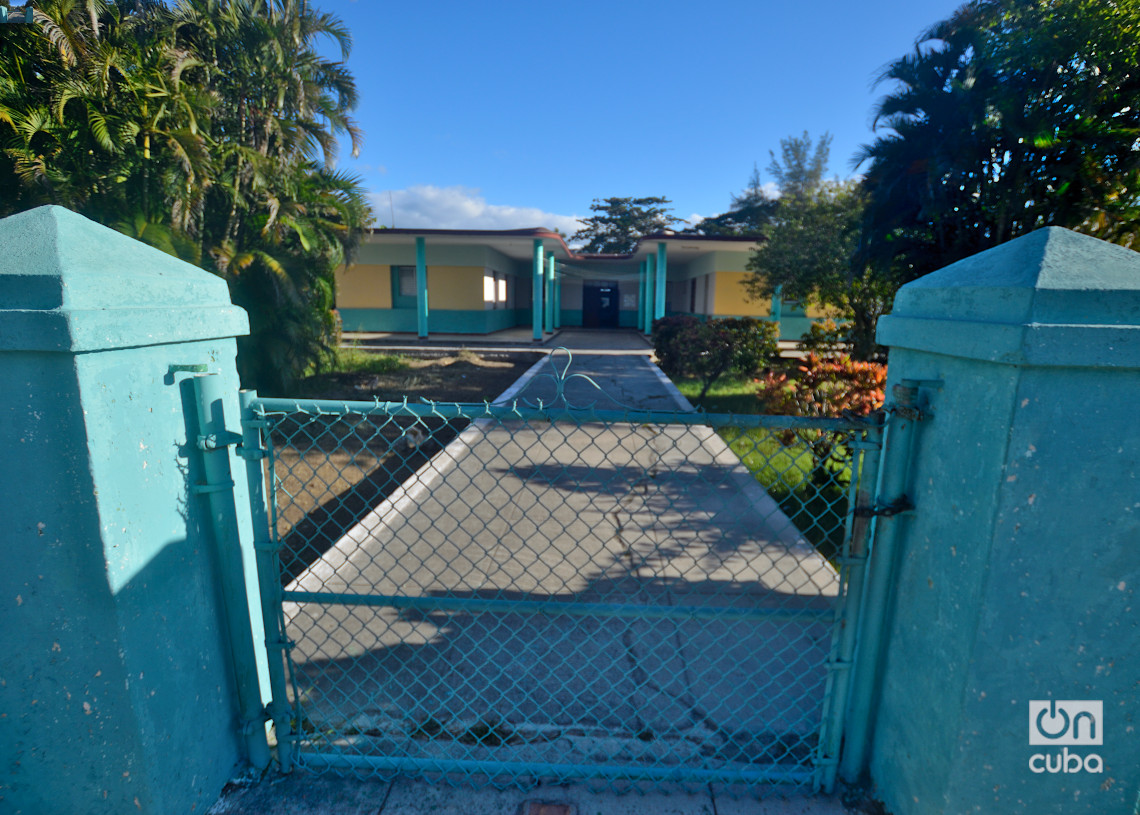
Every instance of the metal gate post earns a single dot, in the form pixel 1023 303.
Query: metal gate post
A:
pixel 891 500
pixel 863 488
pixel 218 488
pixel 269 578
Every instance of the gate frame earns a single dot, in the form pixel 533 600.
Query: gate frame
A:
pixel 847 623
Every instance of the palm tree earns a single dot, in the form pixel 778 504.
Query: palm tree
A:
pixel 1010 115
pixel 207 129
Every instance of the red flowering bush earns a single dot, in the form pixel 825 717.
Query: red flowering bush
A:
pixel 823 387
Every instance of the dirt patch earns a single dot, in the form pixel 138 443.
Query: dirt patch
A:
pixel 464 377
pixel 331 471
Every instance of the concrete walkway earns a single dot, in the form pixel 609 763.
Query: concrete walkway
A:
pixel 617 516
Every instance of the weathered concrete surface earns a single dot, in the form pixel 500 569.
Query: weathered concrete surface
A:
pixel 1019 570
pixel 116 685
pixel 305 794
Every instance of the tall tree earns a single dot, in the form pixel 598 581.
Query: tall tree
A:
pixel 621 222
pixel 800 167
pixel 206 129
pixel 750 212
pixel 1008 116
pixel 808 257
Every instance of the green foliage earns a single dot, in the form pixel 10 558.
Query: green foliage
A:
pixel 1008 116
pixel 800 168
pixel 754 343
pixel 706 351
pixel 729 394
pixel 621 222
pixel 358 361
pixel 826 338
pixel 785 467
pixel 666 336
pixel 808 257
pixel 205 129
pixel 751 211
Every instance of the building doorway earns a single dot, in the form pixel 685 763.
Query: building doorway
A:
pixel 599 304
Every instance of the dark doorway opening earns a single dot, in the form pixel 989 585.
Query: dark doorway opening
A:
pixel 599 305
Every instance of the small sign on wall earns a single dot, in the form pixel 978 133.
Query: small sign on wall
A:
pixel 628 302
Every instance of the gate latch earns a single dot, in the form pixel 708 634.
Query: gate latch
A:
pixel 896 507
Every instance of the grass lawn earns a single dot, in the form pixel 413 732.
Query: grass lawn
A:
pixel 818 510
pixel 816 506
pixel 727 395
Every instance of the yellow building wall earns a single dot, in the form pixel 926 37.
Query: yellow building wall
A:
pixel 455 287
pixel 364 286
pixel 730 298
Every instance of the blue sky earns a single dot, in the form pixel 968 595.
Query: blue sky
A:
pixel 506 115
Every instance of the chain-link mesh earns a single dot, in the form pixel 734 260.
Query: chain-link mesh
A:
pixel 497 594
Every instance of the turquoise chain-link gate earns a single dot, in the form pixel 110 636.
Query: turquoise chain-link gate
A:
pixel 503 594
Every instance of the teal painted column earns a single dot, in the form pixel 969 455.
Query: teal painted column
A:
pixel 421 289
pixel 550 293
pixel 659 301
pixel 641 296
pixel 536 292
pixel 121 692
pixel 558 302
pixel 1015 582
pixel 650 289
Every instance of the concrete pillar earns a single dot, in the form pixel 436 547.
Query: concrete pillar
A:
pixel 650 292
pixel 778 309
pixel 1016 580
pixel 558 302
pixel 536 290
pixel 641 296
pixel 421 289
pixel 659 289
pixel 550 293
pixel 120 688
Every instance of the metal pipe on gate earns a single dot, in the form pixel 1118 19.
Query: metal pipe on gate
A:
pixel 269 578
pixel 856 562
pixel 894 478
pixel 758 774
pixel 218 488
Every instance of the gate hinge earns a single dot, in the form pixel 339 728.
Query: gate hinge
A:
pixel 251 453
pixel 218 441
pixel 206 489
pixel 908 412
pixel 896 507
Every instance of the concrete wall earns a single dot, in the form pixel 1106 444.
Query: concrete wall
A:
pixel 1017 576
pixel 364 286
pixel 117 689
pixel 453 288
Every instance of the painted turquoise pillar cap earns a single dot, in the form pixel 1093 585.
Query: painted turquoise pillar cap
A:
pixel 69 284
pixel 1050 298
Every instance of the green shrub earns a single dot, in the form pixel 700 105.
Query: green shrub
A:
pixel 826 338
pixel 667 332
pixel 706 351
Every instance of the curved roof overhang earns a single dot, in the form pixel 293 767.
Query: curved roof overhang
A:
pixel 519 244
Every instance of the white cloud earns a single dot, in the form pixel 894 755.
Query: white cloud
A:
pixel 432 207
